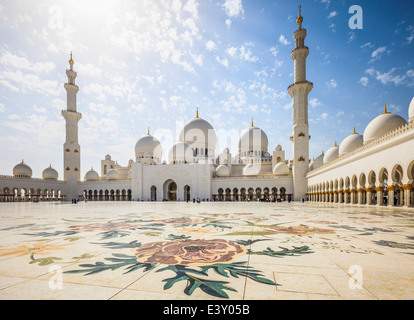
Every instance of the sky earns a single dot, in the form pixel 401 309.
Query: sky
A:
pixel 151 63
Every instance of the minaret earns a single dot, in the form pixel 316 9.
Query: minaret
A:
pixel 299 91
pixel 71 148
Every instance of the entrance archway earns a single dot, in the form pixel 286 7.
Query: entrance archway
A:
pixel 170 190
pixel 187 195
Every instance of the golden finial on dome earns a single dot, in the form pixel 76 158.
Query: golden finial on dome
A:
pixel 148 133
pixel 299 20
pixel 354 131
pixel 252 122
pixel 335 144
pixel 323 153
pixel 197 113
pixel 385 109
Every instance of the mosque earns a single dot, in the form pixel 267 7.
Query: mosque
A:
pixel 373 168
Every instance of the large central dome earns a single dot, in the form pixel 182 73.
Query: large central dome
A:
pixel 253 139
pixel 199 134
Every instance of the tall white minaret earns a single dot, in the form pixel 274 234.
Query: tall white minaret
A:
pixel 299 91
pixel 71 148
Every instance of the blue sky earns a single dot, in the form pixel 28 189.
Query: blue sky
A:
pixel 151 63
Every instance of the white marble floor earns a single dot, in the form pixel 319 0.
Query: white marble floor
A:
pixel 177 251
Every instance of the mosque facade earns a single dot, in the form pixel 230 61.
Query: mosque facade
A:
pixel 373 168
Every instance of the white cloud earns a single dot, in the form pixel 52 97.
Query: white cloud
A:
pixel 367 45
pixel 274 51
pixel 28 83
pixel 327 2
pixel 224 61
pixel 332 14
pixel 243 53
pixel 2 107
pixel 233 8
pixel 232 51
pixel 389 77
pixel 324 116
pixel 88 70
pixel 364 81
pixel 331 83
pixel 410 36
pixel 102 109
pixel 283 40
pixel 210 45
pixel 10 60
pixel 314 102
pixel 376 54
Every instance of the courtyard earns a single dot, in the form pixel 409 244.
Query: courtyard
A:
pixel 207 250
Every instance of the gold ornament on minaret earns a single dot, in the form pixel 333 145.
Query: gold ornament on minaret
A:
pixel 71 62
pixel 299 20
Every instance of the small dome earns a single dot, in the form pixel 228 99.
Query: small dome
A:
pixel 382 124
pixel 351 143
pixel 180 153
pixel 91 175
pixel 252 169
pixel 311 164
pixel 331 155
pixel 281 168
pixel 318 161
pixel 50 174
pixel 278 148
pixel 112 174
pixel 22 170
pixel 222 171
pixel 107 157
pixel 252 139
pixel 150 145
pixel 411 111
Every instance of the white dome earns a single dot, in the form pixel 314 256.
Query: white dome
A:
pixel 252 139
pixel 252 169
pixel 281 168
pixel 91 175
pixel 318 161
pixel 199 133
pixel 311 164
pixel 382 124
pixel 331 155
pixel 278 148
pixel 351 143
pixel 181 153
pixel 50 174
pixel 222 171
pixel 22 170
pixel 411 111
pixel 148 144
pixel 113 174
